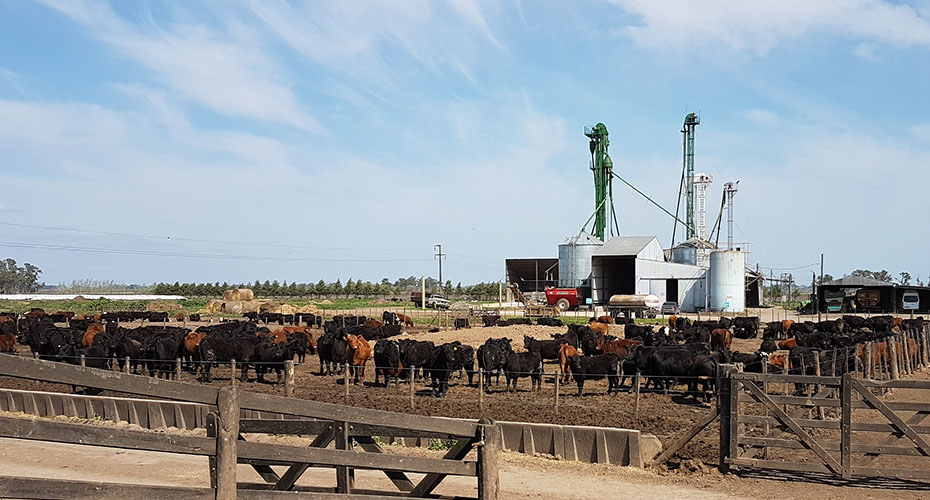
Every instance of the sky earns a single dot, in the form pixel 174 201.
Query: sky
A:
pixel 230 141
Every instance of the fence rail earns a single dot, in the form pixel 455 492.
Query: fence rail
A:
pixel 345 427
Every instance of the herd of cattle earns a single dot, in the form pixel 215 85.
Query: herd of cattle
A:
pixel 684 352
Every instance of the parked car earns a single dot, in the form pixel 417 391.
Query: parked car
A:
pixel 437 302
pixel 669 308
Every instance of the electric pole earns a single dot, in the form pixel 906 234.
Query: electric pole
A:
pixel 439 255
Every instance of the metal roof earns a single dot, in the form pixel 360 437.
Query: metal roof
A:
pixel 624 246
pixel 857 281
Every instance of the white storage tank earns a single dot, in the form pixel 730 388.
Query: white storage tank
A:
pixel 727 276
pixel 575 259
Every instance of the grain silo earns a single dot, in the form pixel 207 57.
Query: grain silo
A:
pixel 575 259
pixel 727 275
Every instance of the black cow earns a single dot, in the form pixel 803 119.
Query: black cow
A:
pixel 636 331
pixel 194 317
pixel 746 327
pixel 216 350
pixel 415 356
pixel 331 348
pixel 768 346
pixel 271 356
pixel 596 368
pixel 668 364
pixel 389 318
pixel 387 361
pixel 441 363
pixel 854 322
pixel 461 323
pixel 547 349
pixel 491 319
pixel 491 358
pixel 464 359
pixel 523 364
pixel 549 322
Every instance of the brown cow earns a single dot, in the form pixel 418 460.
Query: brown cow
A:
pixel 35 312
pixel 180 316
pixel 599 327
pixel 607 320
pixel 566 351
pixel 67 314
pixel 788 343
pixel 618 347
pixel 897 322
pixel 373 323
pixel 672 322
pixel 720 338
pixel 358 351
pixel 7 342
pixel 278 336
pixel 778 361
pixel 192 340
pixel 786 325
pixel 403 318
pixel 92 331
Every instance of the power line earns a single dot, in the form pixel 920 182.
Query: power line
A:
pixel 200 240
pixel 127 251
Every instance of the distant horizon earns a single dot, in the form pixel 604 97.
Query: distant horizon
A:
pixel 201 142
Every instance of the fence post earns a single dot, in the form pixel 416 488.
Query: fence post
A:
pixel 905 363
pixel 344 475
pixel 817 387
pixel 765 389
pixel 923 335
pixel 636 397
pixel 126 366
pixel 846 425
pixel 893 354
pixel 227 435
pixel 83 360
pixel 232 372
pixel 558 375
pixel 177 367
pixel 413 370
pixel 488 459
pixel 289 378
pixel 728 403
pixel 345 380
pixel 480 389
pixel 869 369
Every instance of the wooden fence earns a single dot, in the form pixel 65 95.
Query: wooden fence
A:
pixel 847 428
pixel 343 426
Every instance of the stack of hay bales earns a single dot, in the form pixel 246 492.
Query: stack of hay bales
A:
pixel 163 306
pixel 238 294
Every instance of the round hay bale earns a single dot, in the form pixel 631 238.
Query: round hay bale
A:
pixel 232 307
pixel 245 294
pixel 309 309
pixel 163 306
pixel 214 306
pixel 228 294
pixel 270 307
pixel 324 301
pixel 251 306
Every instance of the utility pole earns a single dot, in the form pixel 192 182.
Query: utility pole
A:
pixel 439 255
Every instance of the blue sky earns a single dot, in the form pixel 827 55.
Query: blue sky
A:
pixel 234 141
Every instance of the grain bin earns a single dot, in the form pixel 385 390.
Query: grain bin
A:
pixel 727 281
pixel 575 259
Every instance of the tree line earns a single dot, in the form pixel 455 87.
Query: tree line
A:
pixel 350 289
pixel 18 279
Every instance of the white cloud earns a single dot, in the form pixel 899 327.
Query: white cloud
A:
pixel 228 73
pixel 762 117
pixel 759 26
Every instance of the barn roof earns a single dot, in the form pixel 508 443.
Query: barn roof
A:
pixel 625 246
pixel 857 281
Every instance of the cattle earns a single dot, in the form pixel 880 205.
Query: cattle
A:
pixel 415 356
pixel 636 331
pixel 854 322
pixel 618 347
pixel 789 343
pixel 523 364
pixel 179 317
pixel 331 348
pixel 92 331
pixel 389 318
pixel 464 360
pixel 724 322
pixel 367 332
pixel 672 322
pixel 668 364
pixel 216 350
pixel 406 320
pixel 7 343
pixel 490 319
pixel 373 323
pixel 549 322
pixel 548 349
pixel 387 361
pixel 704 371
pixel 596 368
pixel 194 317
pixel 566 351
pixel 570 337
pixel 746 327
pixel 682 322
pixel 912 324
pixel 601 328
pixel 801 362
pixel 388 331
pixel 298 343
pixel 800 328
pixel 768 346
pixel 830 326
pixel 491 358
pixel 720 339
pixel 516 321
pixel 441 361
pixel 461 323
pixel 880 324
pixel 191 342
pixel 607 320
pixel 270 355
pixel 357 352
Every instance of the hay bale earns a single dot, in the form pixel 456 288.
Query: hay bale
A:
pixel 309 309
pixel 232 307
pixel 238 294
pixel 270 307
pixel 163 306
pixel 213 306
pixel 251 306
pixel 245 294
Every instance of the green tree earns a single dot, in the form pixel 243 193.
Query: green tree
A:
pixel 905 278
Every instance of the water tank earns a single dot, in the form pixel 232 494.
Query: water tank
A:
pixel 575 259
pixel 727 275
pixel 683 254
